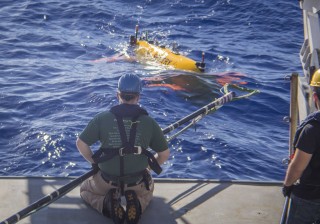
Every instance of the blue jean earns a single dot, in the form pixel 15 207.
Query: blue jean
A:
pixel 303 211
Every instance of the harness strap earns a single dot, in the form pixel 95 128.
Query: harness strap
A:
pixel 122 131
pixel 125 143
pixel 153 163
pixel 128 146
pixel 104 154
pixel 133 131
pixel 116 178
pixel 144 175
pixel 109 153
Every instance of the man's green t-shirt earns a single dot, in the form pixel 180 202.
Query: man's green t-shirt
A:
pixel 104 128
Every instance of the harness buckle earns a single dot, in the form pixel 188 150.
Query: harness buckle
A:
pixel 121 151
pixel 139 150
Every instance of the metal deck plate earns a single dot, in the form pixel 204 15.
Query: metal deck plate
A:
pixel 175 201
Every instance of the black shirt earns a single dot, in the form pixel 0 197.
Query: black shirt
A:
pixel 309 142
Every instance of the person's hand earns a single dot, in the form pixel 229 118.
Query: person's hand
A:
pixel 286 190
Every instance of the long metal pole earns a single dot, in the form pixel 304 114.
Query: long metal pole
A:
pixel 47 199
pixel 70 186
pixel 204 110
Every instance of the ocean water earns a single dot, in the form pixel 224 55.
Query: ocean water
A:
pixel 57 72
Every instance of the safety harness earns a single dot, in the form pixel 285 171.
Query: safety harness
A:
pixel 128 144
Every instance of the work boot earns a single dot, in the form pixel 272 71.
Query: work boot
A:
pixel 112 207
pixel 133 209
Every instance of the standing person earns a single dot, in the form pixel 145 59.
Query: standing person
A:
pixel 125 133
pixel 305 165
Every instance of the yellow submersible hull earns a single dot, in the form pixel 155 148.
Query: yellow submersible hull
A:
pixel 166 57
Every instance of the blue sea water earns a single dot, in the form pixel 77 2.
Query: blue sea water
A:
pixel 51 84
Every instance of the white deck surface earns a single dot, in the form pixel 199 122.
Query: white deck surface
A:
pixel 175 201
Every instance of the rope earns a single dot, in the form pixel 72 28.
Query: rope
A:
pixel 250 92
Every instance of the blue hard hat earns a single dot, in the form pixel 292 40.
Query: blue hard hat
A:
pixel 129 83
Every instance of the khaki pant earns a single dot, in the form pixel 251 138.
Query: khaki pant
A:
pixel 94 190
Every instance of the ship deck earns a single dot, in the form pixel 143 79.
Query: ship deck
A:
pixel 175 201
